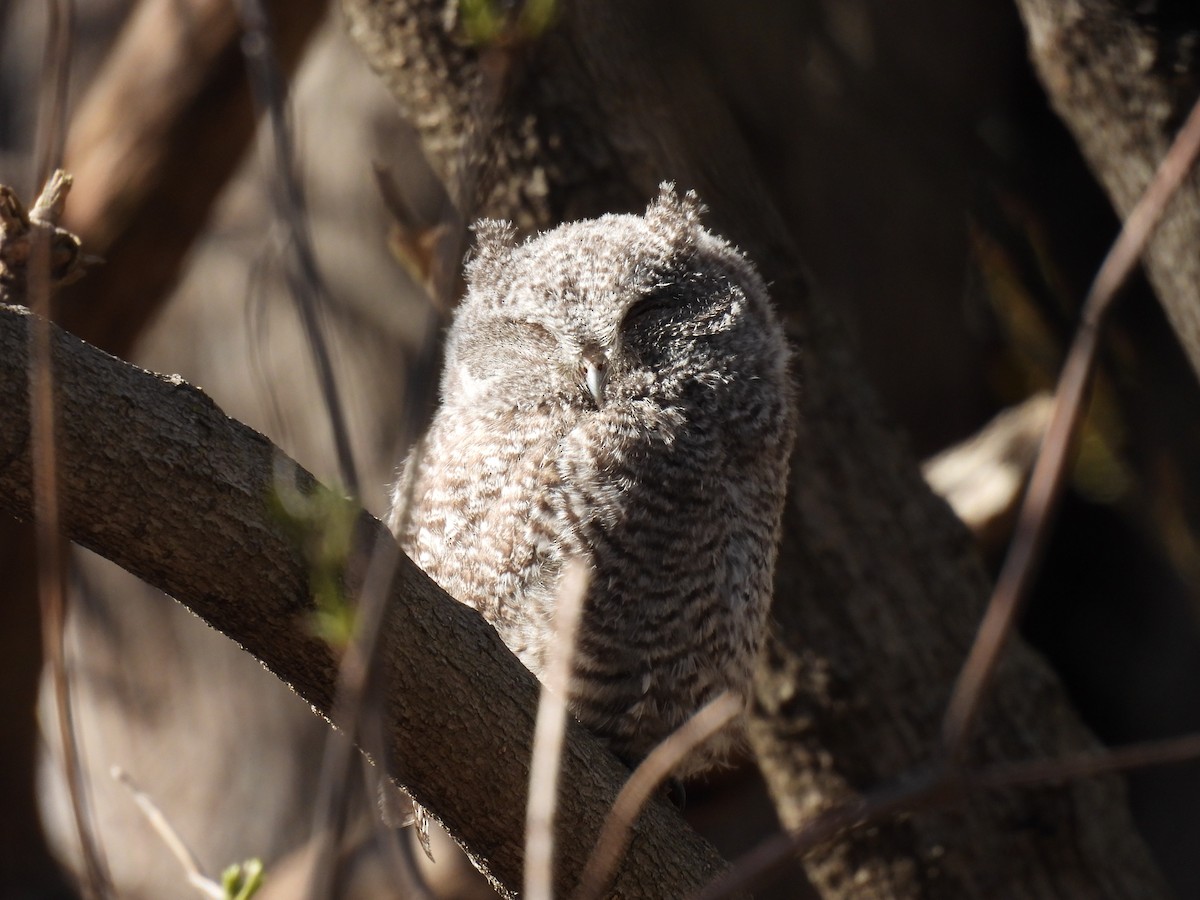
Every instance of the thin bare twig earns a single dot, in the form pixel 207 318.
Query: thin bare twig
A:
pixel 353 679
pixel 52 550
pixel 56 62
pixel 399 850
pixel 50 542
pixel 355 666
pixel 1171 751
pixel 52 560
pixel 170 836
pixel 932 787
pixel 646 779
pixel 749 869
pixel 310 294
pixel 1045 485
pixel 307 287
pixel 549 733
pixel 353 671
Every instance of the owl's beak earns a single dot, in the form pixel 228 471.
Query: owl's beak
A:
pixel 595 373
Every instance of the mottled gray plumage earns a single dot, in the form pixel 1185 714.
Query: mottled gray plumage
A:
pixel 615 390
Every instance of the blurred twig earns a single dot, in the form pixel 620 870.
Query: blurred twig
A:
pixel 304 278
pixel 55 83
pixel 549 734
pixel 936 787
pixel 51 543
pixel 350 696
pixel 646 779
pixel 170 837
pixel 1045 486
pixel 756 865
pixel 310 295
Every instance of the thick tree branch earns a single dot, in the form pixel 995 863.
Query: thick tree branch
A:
pixel 878 590
pixel 152 144
pixel 156 478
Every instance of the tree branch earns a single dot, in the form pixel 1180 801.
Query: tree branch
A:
pixel 156 478
pixel 152 144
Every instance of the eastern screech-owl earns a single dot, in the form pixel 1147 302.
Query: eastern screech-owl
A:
pixel 615 390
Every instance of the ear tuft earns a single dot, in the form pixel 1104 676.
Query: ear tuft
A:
pixel 494 240
pixel 674 217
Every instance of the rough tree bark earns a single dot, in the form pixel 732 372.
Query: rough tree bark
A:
pixel 458 708
pixel 879 590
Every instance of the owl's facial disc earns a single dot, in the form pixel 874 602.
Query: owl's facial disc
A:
pixel 594 364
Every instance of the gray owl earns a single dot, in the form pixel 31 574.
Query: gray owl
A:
pixel 615 391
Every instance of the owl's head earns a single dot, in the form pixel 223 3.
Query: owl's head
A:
pixel 608 310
